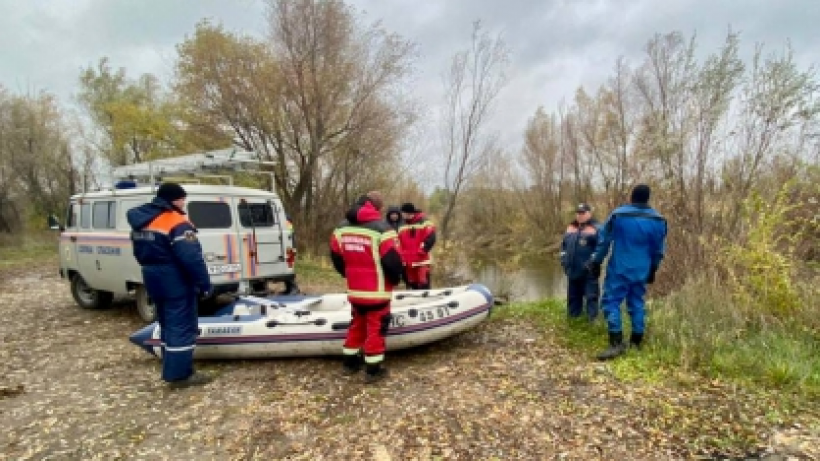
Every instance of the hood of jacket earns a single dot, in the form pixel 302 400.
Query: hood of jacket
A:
pixel 416 218
pixel 141 216
pixel 392 212
pixel 363 212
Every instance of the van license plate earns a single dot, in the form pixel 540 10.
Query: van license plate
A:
pixel 224 269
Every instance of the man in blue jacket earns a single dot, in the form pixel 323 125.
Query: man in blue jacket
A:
pixel 580 240
pixel 639 236
pixel 175 274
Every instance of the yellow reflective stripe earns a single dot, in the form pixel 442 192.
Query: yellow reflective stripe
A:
pixel 349 351
pixel 415 226
pixel 374 252
pixel 371 359
pixel 358 231
pixel 377 264
pixel 381 294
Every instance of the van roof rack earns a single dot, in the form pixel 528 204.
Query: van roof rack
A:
pixel 196 165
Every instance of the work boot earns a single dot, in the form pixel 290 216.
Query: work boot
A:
pixel 616 347
pixel 374 372
pixel 352 364
pixel 196 379
pixel 635 340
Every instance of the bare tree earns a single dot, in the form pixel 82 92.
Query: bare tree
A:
pixel 318 98
pixel 542 192
pixel 475 78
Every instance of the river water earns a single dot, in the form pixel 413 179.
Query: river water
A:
pixel 526 282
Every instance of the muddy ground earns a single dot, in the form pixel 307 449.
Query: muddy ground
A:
pixel 73 387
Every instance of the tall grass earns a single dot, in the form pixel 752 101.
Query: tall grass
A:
pixel 703 328
pixel 700 329
pixel 26 248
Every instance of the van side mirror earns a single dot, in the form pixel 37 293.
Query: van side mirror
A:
pixel 54 223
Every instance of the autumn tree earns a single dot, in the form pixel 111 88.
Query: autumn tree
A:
pixel 136 120
pixel 541 191
pixel 37 167
pixel 317 97
pixel 472 84
pixel 706 133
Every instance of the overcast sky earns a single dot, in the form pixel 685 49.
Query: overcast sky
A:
pixel 556 45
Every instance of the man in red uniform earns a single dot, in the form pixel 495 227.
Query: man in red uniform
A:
pixel 416 237
pixel 364 251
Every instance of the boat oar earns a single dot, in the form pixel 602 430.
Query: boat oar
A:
pixel 424 294
pixel 276 323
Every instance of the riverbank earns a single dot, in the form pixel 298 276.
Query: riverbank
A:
pixel 520 386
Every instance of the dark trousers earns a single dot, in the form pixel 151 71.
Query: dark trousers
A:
pixel 179 329
pixel 177 315
pixel 580 290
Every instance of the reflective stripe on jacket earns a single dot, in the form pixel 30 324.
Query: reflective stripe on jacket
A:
pixel 363 249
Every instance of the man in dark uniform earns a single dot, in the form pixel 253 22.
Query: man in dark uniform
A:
pixel 174 273
pixel 580 240
pixel 638 234
pixel 364 251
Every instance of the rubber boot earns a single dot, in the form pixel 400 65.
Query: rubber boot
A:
pixel 196 379
pixel 616 347
pixel 352 364
pixel 374 372
pixel 635 340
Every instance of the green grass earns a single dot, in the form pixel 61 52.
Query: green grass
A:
pixel 694 336
pixel 317 274
pixel 17 250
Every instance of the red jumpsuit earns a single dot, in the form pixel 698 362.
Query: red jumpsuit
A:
pixel 416 239
pixel 364 251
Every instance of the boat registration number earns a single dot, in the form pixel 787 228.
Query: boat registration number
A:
pixel 224 269
pixel 433 313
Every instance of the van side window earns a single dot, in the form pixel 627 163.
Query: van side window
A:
pixel 126 205
pixel 262 215
pixel 210 215
pixel 85 216
pixel 104 215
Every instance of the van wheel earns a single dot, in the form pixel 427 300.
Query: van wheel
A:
pixel 87 297
pixel 146 308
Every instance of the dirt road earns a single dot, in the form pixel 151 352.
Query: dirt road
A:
pixel 73 387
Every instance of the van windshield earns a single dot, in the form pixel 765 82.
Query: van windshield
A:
pixel 262 214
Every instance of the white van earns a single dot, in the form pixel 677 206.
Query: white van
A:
pixel 245 241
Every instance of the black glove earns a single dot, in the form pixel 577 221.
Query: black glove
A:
pixel 651 279
pixel 594 268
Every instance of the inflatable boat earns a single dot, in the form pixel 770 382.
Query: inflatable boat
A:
pixel 293 326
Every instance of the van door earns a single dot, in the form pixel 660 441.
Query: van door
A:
pixel 110 247
pixel 217 234
pixel 68 241
pixel 87 262
pixel 264 235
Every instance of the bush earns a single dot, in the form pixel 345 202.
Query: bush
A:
pixel 29 247
pixel 703 328
pixel 761 261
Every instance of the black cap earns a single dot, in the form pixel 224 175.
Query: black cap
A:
pixel 409 208
pixel 583 208
pixel 640 194
pixel 170 191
